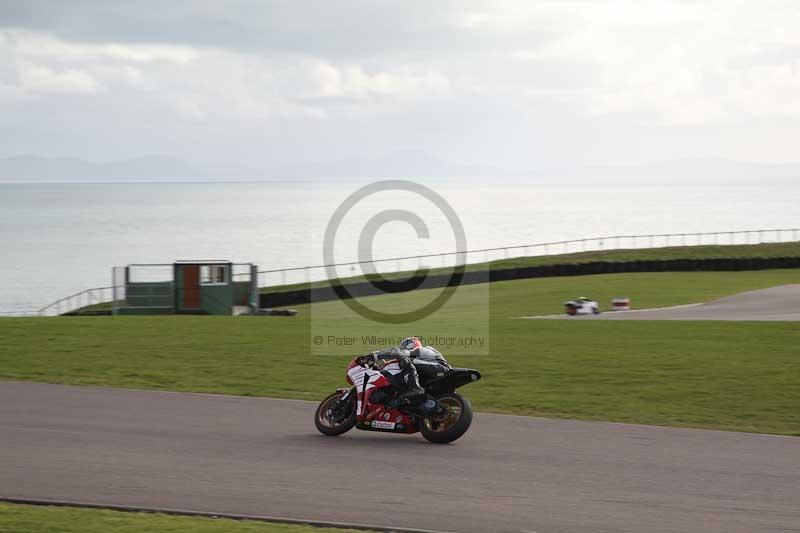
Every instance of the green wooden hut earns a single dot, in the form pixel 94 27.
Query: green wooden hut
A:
pixel 197 287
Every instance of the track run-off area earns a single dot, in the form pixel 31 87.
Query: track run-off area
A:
pixel 781 303
pixel 263 457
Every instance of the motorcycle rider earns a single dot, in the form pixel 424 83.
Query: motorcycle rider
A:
pixel 413 359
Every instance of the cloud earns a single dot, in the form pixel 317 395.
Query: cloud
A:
pixel 41 79
pixel 205 82
pixel 679 63
pixel 320 79
pixel 37 44
pixel 341 30
pixel 506 83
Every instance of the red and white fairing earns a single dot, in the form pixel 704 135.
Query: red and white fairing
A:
pixel 376 416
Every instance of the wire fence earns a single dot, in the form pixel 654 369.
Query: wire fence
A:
pixel 307 274
pixel 104 296
pixel 98 296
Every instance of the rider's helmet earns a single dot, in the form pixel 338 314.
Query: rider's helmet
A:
pixel 410 344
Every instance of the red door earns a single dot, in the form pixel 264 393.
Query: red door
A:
pixel 191 287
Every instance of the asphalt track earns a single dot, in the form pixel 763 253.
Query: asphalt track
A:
pixel 256 456
pixel 780 303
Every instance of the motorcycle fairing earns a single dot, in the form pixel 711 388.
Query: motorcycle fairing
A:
pixel 376 416
pixel 451 380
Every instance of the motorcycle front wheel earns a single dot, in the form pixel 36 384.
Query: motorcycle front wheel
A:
pixel 334 417
pixel 452 424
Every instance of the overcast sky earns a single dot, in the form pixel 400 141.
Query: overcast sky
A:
pixel 514 84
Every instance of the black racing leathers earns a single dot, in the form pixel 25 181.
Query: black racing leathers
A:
pixel 413 365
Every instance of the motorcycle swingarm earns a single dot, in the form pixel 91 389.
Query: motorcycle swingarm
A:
pixel 421 411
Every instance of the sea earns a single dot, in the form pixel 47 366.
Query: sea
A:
pixel 57 239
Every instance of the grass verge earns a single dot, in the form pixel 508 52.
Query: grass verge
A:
pixel 16 518
pixel 722 375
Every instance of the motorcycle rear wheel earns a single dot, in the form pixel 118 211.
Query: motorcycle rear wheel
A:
pixel 331 427
pixel 452 424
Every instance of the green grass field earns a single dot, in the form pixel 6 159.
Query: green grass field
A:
pixel 725 375
pixel 16 518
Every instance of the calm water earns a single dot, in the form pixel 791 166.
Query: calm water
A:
pixel 58 239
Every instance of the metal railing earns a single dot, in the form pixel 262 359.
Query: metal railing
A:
pixel 306 274
pixel 20 313
pixel 79 300
pixel 292 275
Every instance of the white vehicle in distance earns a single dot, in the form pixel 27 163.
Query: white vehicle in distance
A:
pixel 581 306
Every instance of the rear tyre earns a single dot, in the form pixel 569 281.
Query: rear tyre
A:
pixel 334 417
pixel 452 424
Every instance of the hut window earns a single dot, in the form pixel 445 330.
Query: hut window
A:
pixel 212 275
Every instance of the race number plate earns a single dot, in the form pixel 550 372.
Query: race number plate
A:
pixel 380 424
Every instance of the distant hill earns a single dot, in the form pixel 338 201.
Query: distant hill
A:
pixel 712 171
pixel 34 168
pixel 396 164
pixel 404 164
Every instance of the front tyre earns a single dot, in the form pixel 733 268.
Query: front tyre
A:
pixel 334 417
pixel 451 425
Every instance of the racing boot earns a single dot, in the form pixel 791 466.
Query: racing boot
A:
pixel 414 390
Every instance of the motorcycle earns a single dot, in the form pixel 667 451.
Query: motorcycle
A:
pixel 371 403
pixel 581 306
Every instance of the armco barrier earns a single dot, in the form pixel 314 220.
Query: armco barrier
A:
pixel 367 288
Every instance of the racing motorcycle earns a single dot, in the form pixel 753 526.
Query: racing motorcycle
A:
pixel 372 404
pixel 581 306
